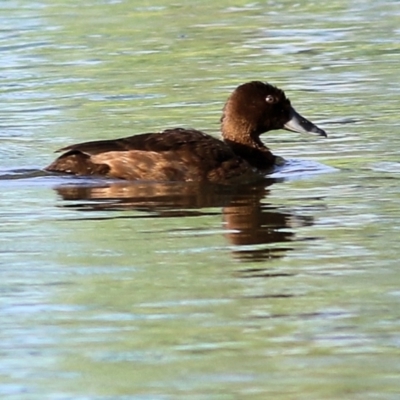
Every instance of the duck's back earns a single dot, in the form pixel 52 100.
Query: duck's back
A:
pixel 172 155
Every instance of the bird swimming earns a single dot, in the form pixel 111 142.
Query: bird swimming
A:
pixel 181 154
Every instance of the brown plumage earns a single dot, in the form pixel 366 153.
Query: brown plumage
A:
pixel 189 155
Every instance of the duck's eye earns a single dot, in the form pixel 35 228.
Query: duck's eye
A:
pixel 270 99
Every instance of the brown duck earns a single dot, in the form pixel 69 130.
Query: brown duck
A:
pixel 189 155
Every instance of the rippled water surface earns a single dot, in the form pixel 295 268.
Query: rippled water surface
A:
pixel 118 290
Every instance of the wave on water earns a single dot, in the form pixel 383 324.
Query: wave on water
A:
pixel 298 169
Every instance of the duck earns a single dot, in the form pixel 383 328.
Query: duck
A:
pixel 190 155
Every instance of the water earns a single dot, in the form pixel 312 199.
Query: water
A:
pixel 114 290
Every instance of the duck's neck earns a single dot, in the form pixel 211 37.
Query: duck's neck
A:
pixel 247 144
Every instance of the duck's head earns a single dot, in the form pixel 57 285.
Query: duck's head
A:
pixel 256 107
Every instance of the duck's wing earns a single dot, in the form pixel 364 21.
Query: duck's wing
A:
pixel 168 140
pixel 172 155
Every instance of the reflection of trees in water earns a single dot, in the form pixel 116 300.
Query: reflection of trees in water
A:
pixel 256 230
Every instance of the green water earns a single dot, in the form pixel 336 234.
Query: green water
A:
pixel 120 291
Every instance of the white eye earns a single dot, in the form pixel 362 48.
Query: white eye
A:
pixel 270 99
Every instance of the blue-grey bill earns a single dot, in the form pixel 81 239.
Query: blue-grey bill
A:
pixel 298 123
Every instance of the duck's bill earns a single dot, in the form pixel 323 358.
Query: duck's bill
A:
pixel 298 123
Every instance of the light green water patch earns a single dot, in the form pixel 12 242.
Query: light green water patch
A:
pixel 288 291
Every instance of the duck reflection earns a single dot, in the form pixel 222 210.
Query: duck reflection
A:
pixel 255 229
pixel 251 225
